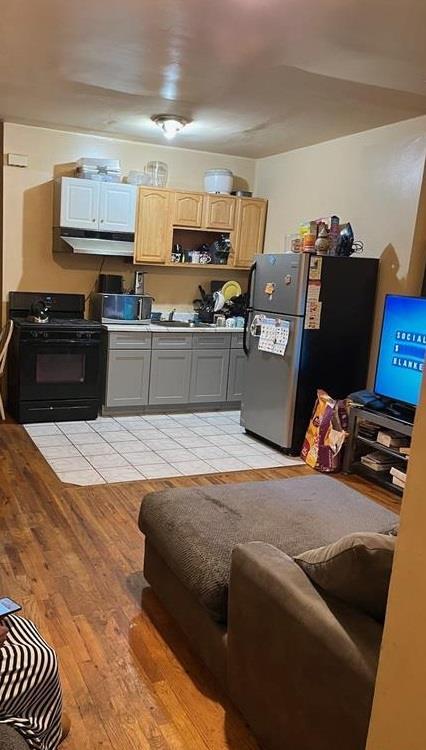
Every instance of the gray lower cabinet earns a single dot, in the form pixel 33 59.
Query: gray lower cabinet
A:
pixel 172 341
pixel 237 340
pixel 211 340
pixel 170 376
pixel 128 377
pixel 237 368
pixel 209 375
pixel 131 339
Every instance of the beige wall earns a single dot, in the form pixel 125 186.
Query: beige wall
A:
pixel 374 180
pixel 28 262
pixel 398 717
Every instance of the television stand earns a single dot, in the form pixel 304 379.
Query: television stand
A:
pixel 359 445
pixel 400 412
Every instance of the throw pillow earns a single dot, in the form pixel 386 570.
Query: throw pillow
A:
pixel 355 569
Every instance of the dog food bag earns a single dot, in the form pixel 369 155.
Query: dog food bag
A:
pixel 326 434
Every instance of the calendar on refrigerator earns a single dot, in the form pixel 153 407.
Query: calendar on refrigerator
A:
pixel 274 336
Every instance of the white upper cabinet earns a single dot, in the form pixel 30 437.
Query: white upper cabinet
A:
pixel 104 206
pixel 79 203
pixel 117 207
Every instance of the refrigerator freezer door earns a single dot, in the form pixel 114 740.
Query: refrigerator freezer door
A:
pixel 269 394
pixel 279 283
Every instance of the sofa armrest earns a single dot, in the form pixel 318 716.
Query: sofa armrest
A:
pixel 300 668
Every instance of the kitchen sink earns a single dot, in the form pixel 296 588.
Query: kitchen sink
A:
pixel 180 324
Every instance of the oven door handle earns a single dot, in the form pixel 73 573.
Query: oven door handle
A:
pixel 64 342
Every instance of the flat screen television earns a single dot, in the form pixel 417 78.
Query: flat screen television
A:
pixel 402 349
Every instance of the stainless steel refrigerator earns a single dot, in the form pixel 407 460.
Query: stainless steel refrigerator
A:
pixel 327 304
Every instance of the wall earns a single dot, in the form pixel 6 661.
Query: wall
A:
pixel 398 716
pixel 28 262
pixel 374 179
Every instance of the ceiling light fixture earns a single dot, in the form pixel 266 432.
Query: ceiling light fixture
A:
pixel 170 124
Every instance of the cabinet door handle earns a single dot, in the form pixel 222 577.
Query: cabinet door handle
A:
pixel 93 219
pixel 102 221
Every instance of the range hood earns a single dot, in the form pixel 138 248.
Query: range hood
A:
pixel 87 242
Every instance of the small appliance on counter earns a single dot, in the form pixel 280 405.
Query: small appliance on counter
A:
pixel 55 363
pixel 139 282
pixel 131 309
pixel 110 283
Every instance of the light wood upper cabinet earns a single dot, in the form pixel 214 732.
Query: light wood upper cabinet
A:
pixel 160 210
pixel 187 209
pixel 153 226
pixel 219 212
pixel 247 239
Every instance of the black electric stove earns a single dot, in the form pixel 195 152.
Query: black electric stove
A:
pixel 56 367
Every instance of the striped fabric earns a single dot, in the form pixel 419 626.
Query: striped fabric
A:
pixel 30 691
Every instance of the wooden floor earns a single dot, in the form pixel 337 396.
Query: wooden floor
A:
pixel 73 557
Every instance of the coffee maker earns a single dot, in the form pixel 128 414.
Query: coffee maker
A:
pixel 110 284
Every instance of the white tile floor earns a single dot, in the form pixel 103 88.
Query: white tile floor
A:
pixel 155 446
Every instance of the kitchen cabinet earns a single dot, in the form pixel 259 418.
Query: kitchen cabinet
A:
pixel 212 340
pixel 154 233
pixel 160 211
pixel 79 203
pixel 247 239
pixel 219 212
pixel 163 368
pixel 237 367
pixel 100 206
pixel 170 376
pixel 117 207
pixel 237 340
pixel 131 339
pixel 187 209
pixel 172 340
pixel 209 375
pixel 128 372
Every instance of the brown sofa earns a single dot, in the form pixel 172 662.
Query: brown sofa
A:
pixel 10 739
pixel 299 665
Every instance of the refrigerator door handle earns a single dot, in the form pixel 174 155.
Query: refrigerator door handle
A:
pixel 249 307
pixel 246 318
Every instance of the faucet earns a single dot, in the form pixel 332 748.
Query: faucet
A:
pixel 171 314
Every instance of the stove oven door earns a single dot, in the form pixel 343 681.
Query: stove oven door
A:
pixel 59 366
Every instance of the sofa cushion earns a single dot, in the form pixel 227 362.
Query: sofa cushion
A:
pixel 196 529
pixel 10 739
pixel 356 569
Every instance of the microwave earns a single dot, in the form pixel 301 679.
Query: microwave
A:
pixel 131 309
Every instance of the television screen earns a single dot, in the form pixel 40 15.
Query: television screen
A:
pixel 402 349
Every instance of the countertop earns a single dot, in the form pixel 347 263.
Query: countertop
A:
pixel 152 328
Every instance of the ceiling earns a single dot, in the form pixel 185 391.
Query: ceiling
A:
pixel 255 77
